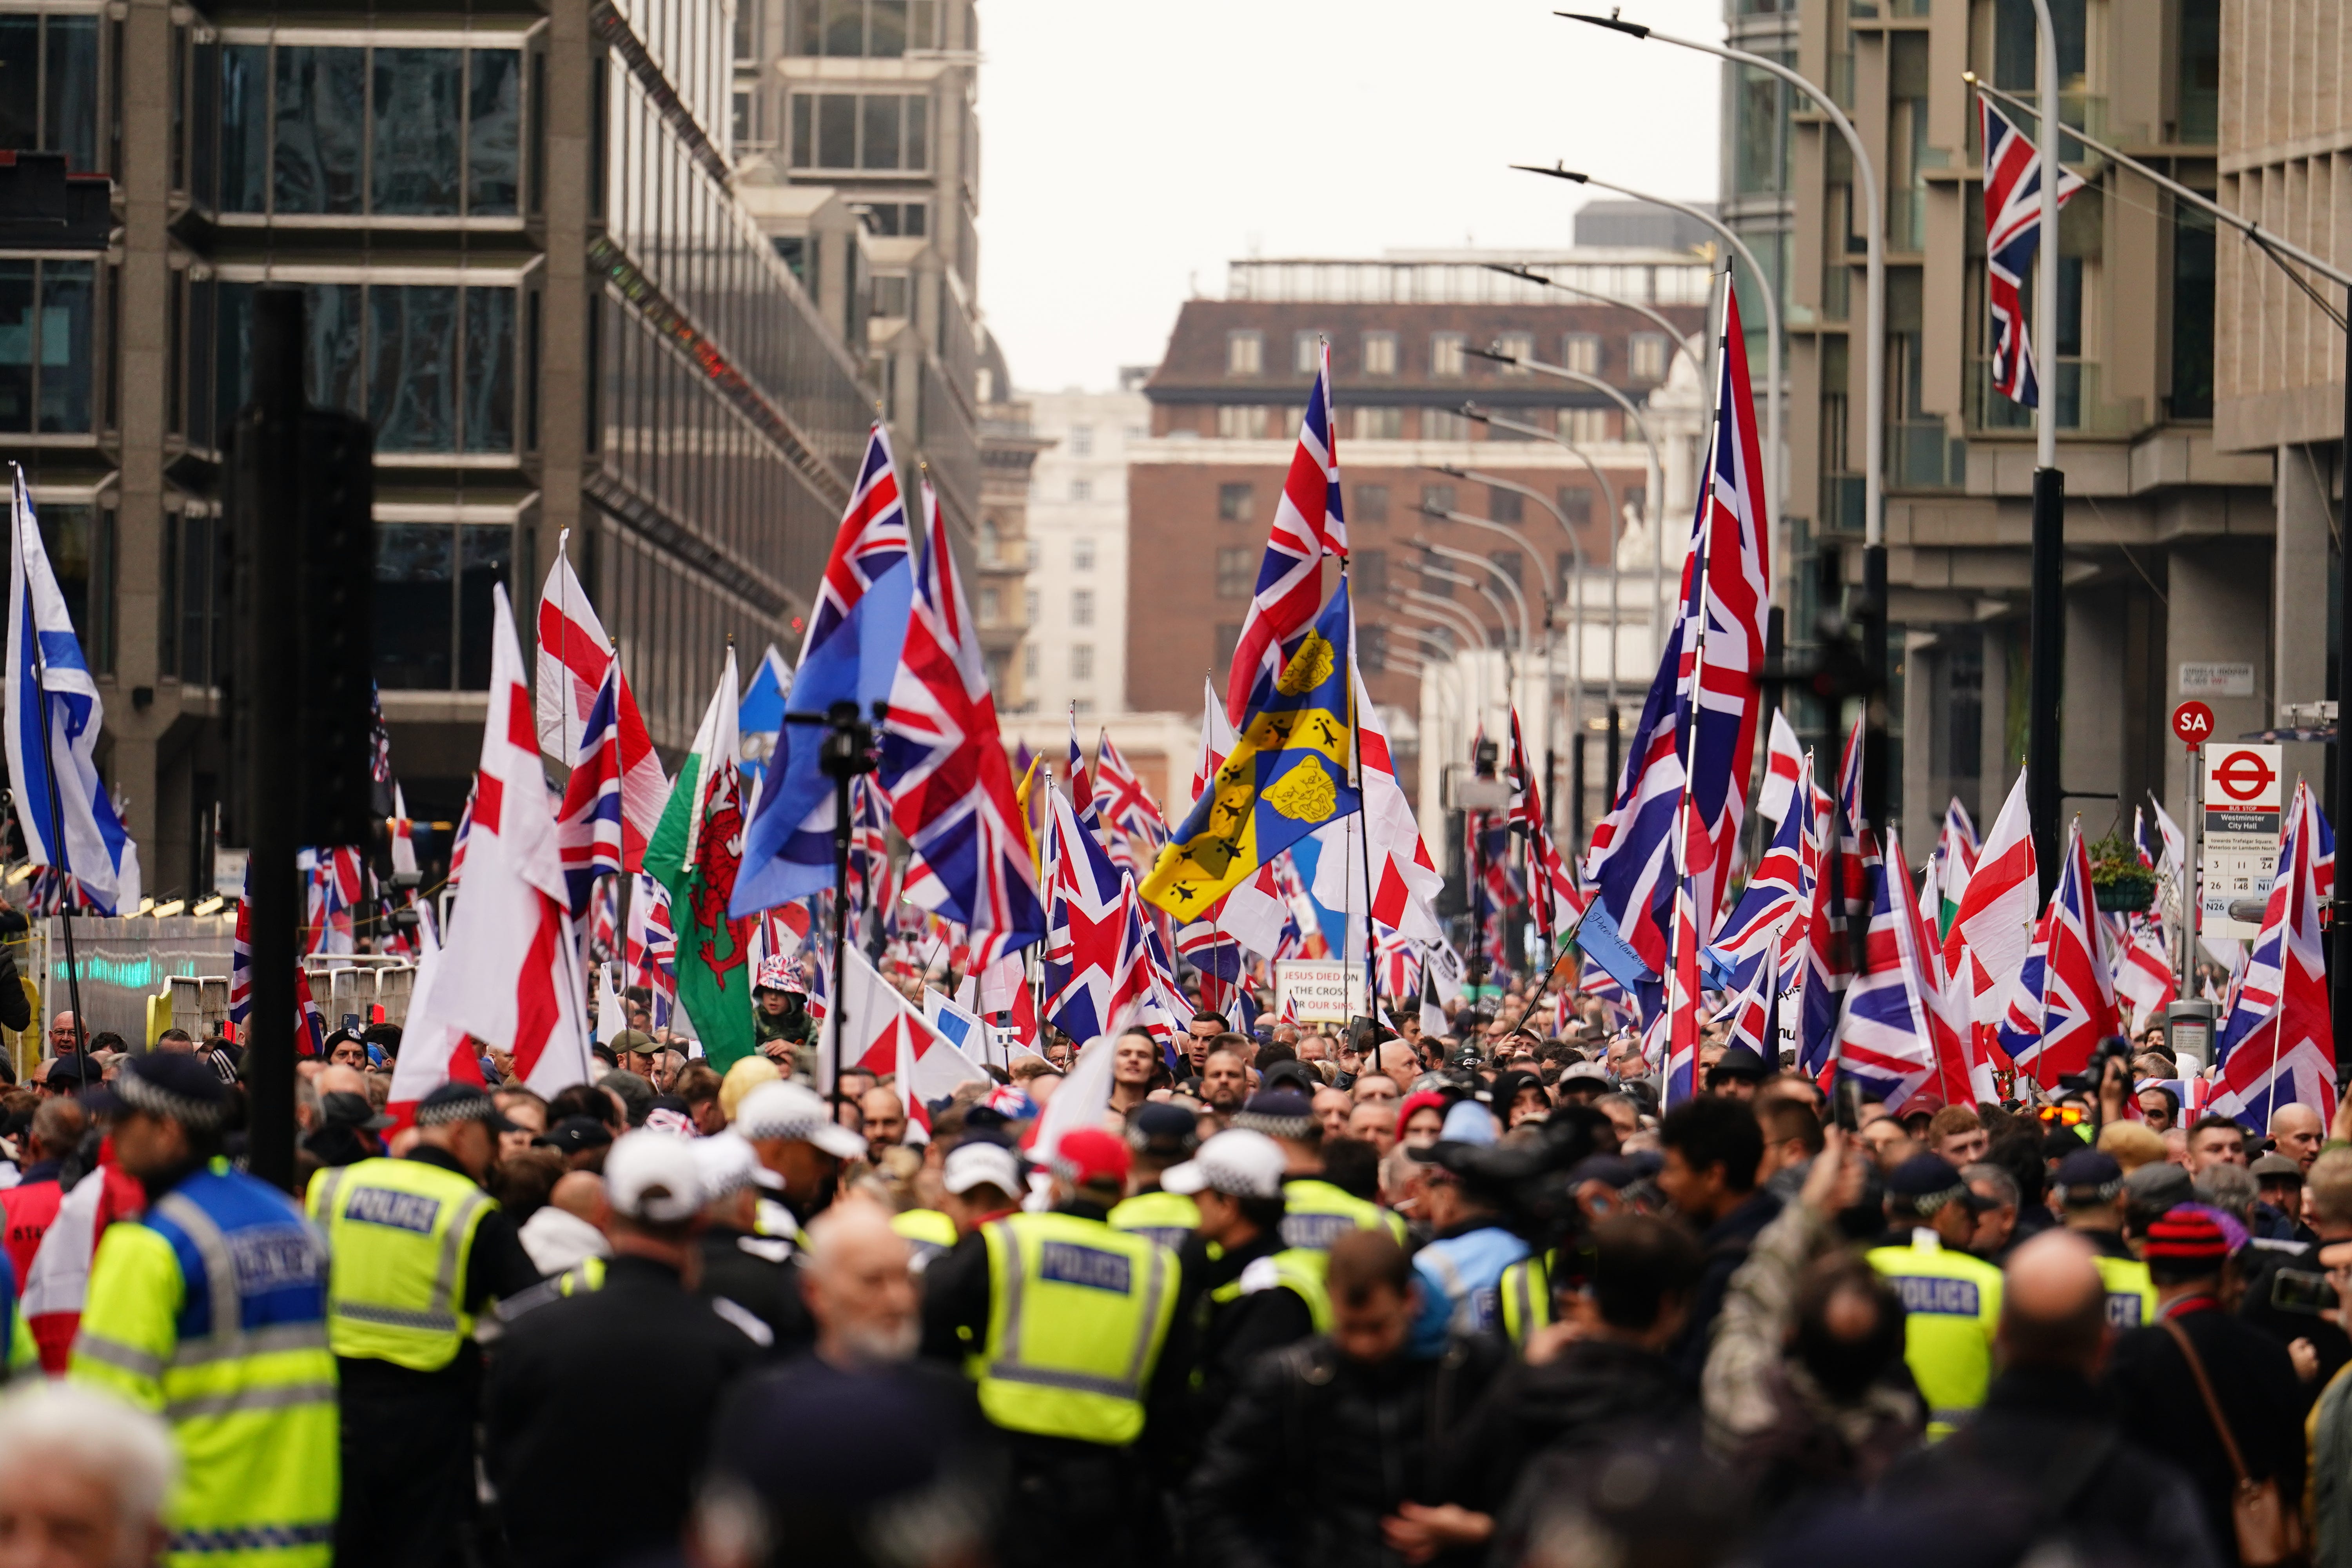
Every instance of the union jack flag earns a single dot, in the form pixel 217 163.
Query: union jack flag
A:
pixel 2277 1045
pixel 309 1024
pixel 651 958
pixel 869 853
pixel 588 825
pixel 1119 798
pixel 464 831
pixel 1088 961
pixel 1308 526
pixel 2078 996
pixel 2012 205
pixel 605 920
pixel 1774 894
pixel 1887 1035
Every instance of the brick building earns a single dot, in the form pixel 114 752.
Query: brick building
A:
pixel 1404 334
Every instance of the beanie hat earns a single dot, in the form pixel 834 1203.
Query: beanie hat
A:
pixel 2187 1234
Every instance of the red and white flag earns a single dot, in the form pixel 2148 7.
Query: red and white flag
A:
pixel 574 655
pixel 1217 743
pixel 880 1031
pixel 1782 760
pixel 509 975
pixel 1993 931
pixel 1404 878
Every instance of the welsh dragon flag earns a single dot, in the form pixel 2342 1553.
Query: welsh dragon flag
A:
pixel 696 852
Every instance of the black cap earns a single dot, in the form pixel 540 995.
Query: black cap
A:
pixel 344 1108
pixel 2087 1176
pixel 1162 1132
pixel 578 1134
pixel 69 1073
pixel 1739 1061
pixel 1296 1074
pixel 456 1102
pixel 183 1088
pixel 1926 1183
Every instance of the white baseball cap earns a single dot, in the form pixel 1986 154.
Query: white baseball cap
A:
pixel 1237 1162
pixel 981 1163
pixel 726 1165
pixel 786 1110
pixel 653 1176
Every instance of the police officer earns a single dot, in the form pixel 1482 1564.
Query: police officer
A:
pixel 419 1250
pixel 1068 1329
pixel 1158 1136
pixel 212 1309
pixel 1245 1293
pixel 2089 1188
pixel 1951 1302
pixel 801 1150
pixel 1462 1268
pixel 1314 1213
pixel 758 1273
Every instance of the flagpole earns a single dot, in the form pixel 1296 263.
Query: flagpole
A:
pixel 563 652
pixel 49 767
pixel 1363 816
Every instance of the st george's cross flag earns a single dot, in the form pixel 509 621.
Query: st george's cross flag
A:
pixel 1782 757
pixel 510 975
pixel 854 635
pixel 1308 526
pixel 575 661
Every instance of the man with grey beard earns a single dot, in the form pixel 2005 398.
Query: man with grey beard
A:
pixel 858 1443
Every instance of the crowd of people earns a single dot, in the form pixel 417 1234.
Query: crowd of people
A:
pixel 1293 1296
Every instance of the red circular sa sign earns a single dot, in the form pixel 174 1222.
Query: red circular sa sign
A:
pixel 2193 722
pixel 2244 769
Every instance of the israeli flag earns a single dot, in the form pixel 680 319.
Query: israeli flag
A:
pixel 67 821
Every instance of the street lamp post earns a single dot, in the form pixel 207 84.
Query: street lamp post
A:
pixel 1675 335
pixel 1776 469
pixel 1874 403
pixel 2046 602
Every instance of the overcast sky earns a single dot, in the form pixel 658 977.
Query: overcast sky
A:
pixel 1131 149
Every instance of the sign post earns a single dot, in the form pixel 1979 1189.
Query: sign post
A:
pixel 2193 724
pixel 2239 813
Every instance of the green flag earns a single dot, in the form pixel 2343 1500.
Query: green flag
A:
pixel 695 853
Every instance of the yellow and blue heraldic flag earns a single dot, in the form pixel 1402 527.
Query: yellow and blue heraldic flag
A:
pixel 1286 777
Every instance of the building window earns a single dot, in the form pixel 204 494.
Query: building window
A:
pixel 1082 661
pixel 1082 555
pixel 1575 505
pixel 1245 354
pixel 328 131
pixel 1436 497
pixel 992 607
pixel 1029 608
pixel 2192 314
pixel 1082 440
pixel 79 538
pixel 1082 489
pixel 433 604
pixel 1236 573
pixel 1370 569
pixel 48 87
pixel 1372 648
pixel 884 132
pixel 1305 353
pixel 1229 636
pixel 1504 506
pixel 1445 357
pixel 46 351
pixel 1432 566
pixel 1082 606
pixel 1379 424
pixel 1584 426
pixel 1241 421
pixel 1444 425
pixel 1029 661
pixel 1646 356
pixel 1379 353
pixel 895 220
pixel 1518 346
pixel 1233 504
pixel 1083 707
pixel 1580 351
pixel 862 30
pixel 1369 503
pixel 1509 560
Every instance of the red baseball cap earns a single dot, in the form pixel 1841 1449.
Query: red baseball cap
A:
pixel 1088 1154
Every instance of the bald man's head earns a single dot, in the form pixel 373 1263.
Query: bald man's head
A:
pixel 2053 1308
pixel 854 1277
pixel 2297 1133
pixel 580 1194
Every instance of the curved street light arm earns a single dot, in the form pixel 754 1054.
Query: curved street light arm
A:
pixel 1519 599
pixel 1675 334
pixel 1543 567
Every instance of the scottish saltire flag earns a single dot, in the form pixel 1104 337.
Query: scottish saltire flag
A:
pixel 68 818
pixel 2012 204
pixel 760 717
pixel 1287 776
pixel 2078 995
pixel 855 637
pixel 574 660
pixel 1119 798
pixel 588 828
pixel 1308 526
pixel 2277 1044
pixel 1886 1037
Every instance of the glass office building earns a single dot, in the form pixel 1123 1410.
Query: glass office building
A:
pixel 523 263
